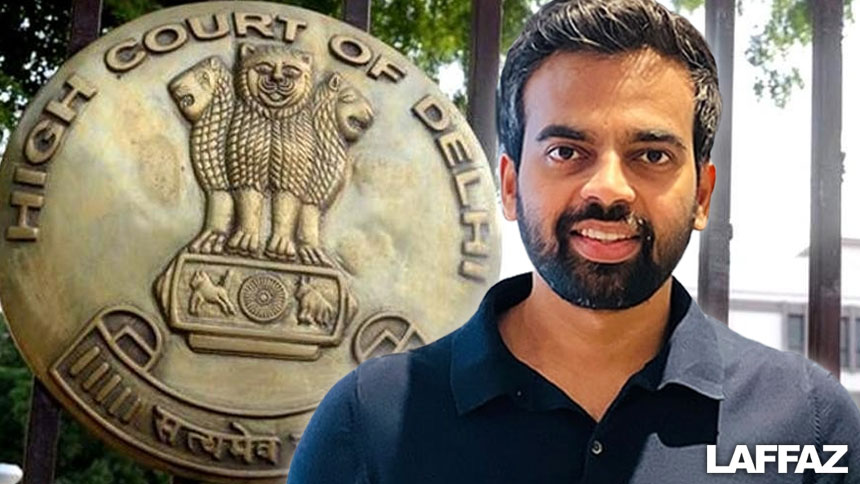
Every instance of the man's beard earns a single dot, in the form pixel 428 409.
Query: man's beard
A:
pixel 596 285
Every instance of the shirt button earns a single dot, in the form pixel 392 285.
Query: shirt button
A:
pixel 596 447
pixel 519 393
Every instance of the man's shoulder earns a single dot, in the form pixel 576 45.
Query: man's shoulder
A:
pixel 426 366
pixel 746 361
pixel 796 396
pixel 387 394
pixel 364 414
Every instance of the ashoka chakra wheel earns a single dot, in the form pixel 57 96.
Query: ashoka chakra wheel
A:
pixel 263 297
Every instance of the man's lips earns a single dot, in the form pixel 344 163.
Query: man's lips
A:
pixel 618 227
pixel 605 242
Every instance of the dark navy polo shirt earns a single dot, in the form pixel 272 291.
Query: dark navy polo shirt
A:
pixel 465 410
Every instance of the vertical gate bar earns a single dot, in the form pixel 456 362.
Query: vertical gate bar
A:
pixel 714 257
pixel 43 432
pixel 484 73
pixel 43 427
pixel 86 24
pixel 825 250
pixel 357 13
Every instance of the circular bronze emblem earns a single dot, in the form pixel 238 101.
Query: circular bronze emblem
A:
pixel 216 211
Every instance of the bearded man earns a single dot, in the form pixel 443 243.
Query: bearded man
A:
pixel 599 367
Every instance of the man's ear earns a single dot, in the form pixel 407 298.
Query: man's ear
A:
pixel 508 178
pixel 707 180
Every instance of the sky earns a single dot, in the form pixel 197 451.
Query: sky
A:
pixel 771 156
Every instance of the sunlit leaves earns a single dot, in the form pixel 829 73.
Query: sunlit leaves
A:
pixel 788 26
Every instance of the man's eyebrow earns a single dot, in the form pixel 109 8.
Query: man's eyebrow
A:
pixel 659 136
pixel 562 131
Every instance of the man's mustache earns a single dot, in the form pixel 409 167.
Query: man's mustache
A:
pixel 617 212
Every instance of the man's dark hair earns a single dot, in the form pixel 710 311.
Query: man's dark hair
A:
pixel 609 27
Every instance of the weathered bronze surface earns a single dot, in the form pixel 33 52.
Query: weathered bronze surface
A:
pixel 214 212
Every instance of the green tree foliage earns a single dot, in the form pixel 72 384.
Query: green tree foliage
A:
pixel 33 36
pixel 33 39
pixel 15 382
pixel 789 25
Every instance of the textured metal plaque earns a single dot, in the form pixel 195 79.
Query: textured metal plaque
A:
pixel 214 212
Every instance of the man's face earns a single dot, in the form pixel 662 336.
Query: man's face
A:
pixel 607 194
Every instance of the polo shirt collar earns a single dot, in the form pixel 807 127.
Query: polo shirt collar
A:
pixel 483 368
pixel 694 359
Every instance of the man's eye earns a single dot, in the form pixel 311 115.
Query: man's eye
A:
pixel 654 157
pixel 564 153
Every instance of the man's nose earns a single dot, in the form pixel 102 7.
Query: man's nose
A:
pixel 608 182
